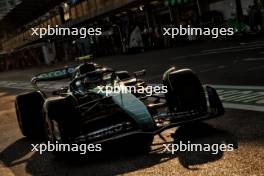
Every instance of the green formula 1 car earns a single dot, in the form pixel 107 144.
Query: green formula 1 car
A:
pixel 87 112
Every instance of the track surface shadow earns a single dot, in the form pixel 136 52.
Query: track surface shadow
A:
pixel 202 133
pixel 119 160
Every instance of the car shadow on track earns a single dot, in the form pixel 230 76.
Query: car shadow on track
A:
pixel 16 153
pixel 112 163
pixel 202 134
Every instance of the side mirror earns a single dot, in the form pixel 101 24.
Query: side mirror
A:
pixel 141 73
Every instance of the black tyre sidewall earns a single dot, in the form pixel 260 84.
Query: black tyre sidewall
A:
pixel 29 114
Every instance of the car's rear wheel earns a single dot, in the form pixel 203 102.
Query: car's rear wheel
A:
pixel 29 114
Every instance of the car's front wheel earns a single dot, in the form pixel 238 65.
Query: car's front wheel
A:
pixel 60 121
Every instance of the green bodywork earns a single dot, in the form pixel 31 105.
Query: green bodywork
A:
pixel 133 107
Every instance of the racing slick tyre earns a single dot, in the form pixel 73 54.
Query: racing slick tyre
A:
pixel 60 121
pixel 144 145
pixel 29 114
pixel 185 91
pixel 140 145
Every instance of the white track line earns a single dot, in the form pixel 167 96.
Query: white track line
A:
pixel 232 48
pixel 239 87
pixel 253 59
pixel 208 52
pixel 244 107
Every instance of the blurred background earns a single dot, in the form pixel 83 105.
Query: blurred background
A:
pixel 119 20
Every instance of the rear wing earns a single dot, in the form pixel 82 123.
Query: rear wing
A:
pixel 59 74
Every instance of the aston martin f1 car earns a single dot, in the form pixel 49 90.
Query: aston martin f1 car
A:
pixel 81 113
